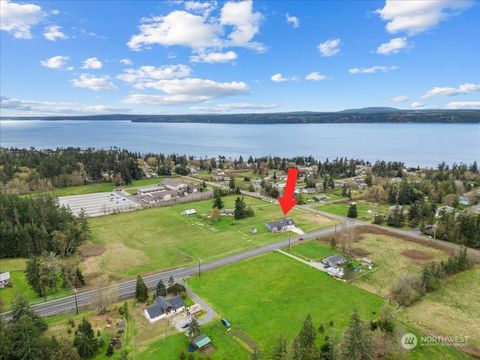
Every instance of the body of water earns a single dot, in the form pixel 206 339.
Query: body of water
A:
pixel 414 144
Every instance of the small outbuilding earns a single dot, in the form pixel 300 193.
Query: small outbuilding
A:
pixel 189 212
pixel 5 279
pixel 202 341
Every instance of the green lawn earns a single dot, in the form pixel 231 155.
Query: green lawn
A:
pixel 161 238
pixel 366 210
pixel 313 250
pixel 273 294
pixel 225 345
pixel 20 285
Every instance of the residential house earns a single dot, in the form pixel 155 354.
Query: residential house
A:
pixel 163 308
pixel 280 225
pixel 309 190
pixel 334 260
pixel 174 184
pixel 335 271
pixel 320 197
pixel 159 196
pixel 5 279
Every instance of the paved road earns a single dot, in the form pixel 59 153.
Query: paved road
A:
pixel 126 289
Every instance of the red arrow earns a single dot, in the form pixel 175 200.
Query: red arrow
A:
pixel 288 202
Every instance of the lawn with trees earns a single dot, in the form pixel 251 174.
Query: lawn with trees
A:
pixel 161 238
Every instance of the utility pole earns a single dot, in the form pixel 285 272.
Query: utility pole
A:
pixel 76 301
pixel 289 244
pixel 199 270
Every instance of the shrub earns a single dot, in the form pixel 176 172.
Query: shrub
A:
pixel 407 289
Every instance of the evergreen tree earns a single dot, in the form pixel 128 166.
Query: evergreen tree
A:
pixel 352 210
pixel 141 290
pixel 357 343
pixel 32 274
pixel 240 210
pixel 307 337
pixel 160 290
pixel 171 281
pixel 85 341
pixel 231 183
pixel 217 199
pixel 194 329
pixel 79 276
pixel 279 351
pixel 110 349
pixel 256 354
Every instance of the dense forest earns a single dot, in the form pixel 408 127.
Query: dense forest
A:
pixel 374 115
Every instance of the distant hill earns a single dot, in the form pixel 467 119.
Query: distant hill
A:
pixel 365 115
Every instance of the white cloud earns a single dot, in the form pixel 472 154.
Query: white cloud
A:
pixel 205 8
pixel 245 22
pixel 417 105
pixel 92 63
pixel 315 76
pixel 92 82
pixel 126 62
pixel 54 33
pixel 371 70
pixel 201 31
pixel 463 105
pixel 399 99
pixel 330 47
pixel 214 57
pixel 55 62
pixel 393 46
pixel 233 107
pixel 280 78
pixel 415 16
pixel 185 91
pixel 18 19
pixel 177 28
pixel 463 89
pixel 152 73
pixel 293 20
pixel 49 107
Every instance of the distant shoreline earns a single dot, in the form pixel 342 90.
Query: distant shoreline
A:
pixel 365 116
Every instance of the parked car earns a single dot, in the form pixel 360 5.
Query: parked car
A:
pixel 186 325
pixel 300 238
pixel 226 322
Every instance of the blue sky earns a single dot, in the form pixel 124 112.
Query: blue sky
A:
pixel 93 57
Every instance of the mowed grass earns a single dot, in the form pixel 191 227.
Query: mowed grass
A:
pixel 160 238
pixel 386 251
pixel 453 309
pixel 366 211
pixel 225 346
pixel 313 250
pixel 272 294
pixel 16 268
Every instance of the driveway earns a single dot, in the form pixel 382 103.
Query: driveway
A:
pixel 210 314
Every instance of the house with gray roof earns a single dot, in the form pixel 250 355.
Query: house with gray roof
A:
pixel 280 225
pixel 174 184
pixel 334 260
pixel 163 308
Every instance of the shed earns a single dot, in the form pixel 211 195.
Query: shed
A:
pixel 4 279
pixel 201 341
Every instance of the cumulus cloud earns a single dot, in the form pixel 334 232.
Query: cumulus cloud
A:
pixel 18 19
pixel 315 76
pixel 415 16
pixel 417 105
pixel 330 47
pixel 49 107
pixel 292 20
pixel 92 63
pixel 201 31
pixel 55 62
pixel 280 78
pixel 54 33
pixel 399 99
pixel 205 8
pixel 463 89
pixel 213 57
pixel 152 73
pixel 463 105
pixel 393 46
pixel 92 82
pixel 185 91
pixel 126 62
pixel 371 70
pixel 233 107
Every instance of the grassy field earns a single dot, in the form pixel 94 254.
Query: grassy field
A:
pixel 161 238
pixel 20 285
pixel 273 294
pixel 366 210
pixel 453 309
pixel 395 257
pixel 313 250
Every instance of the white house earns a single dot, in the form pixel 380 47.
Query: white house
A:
pixel 280 225
pixel 164 308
